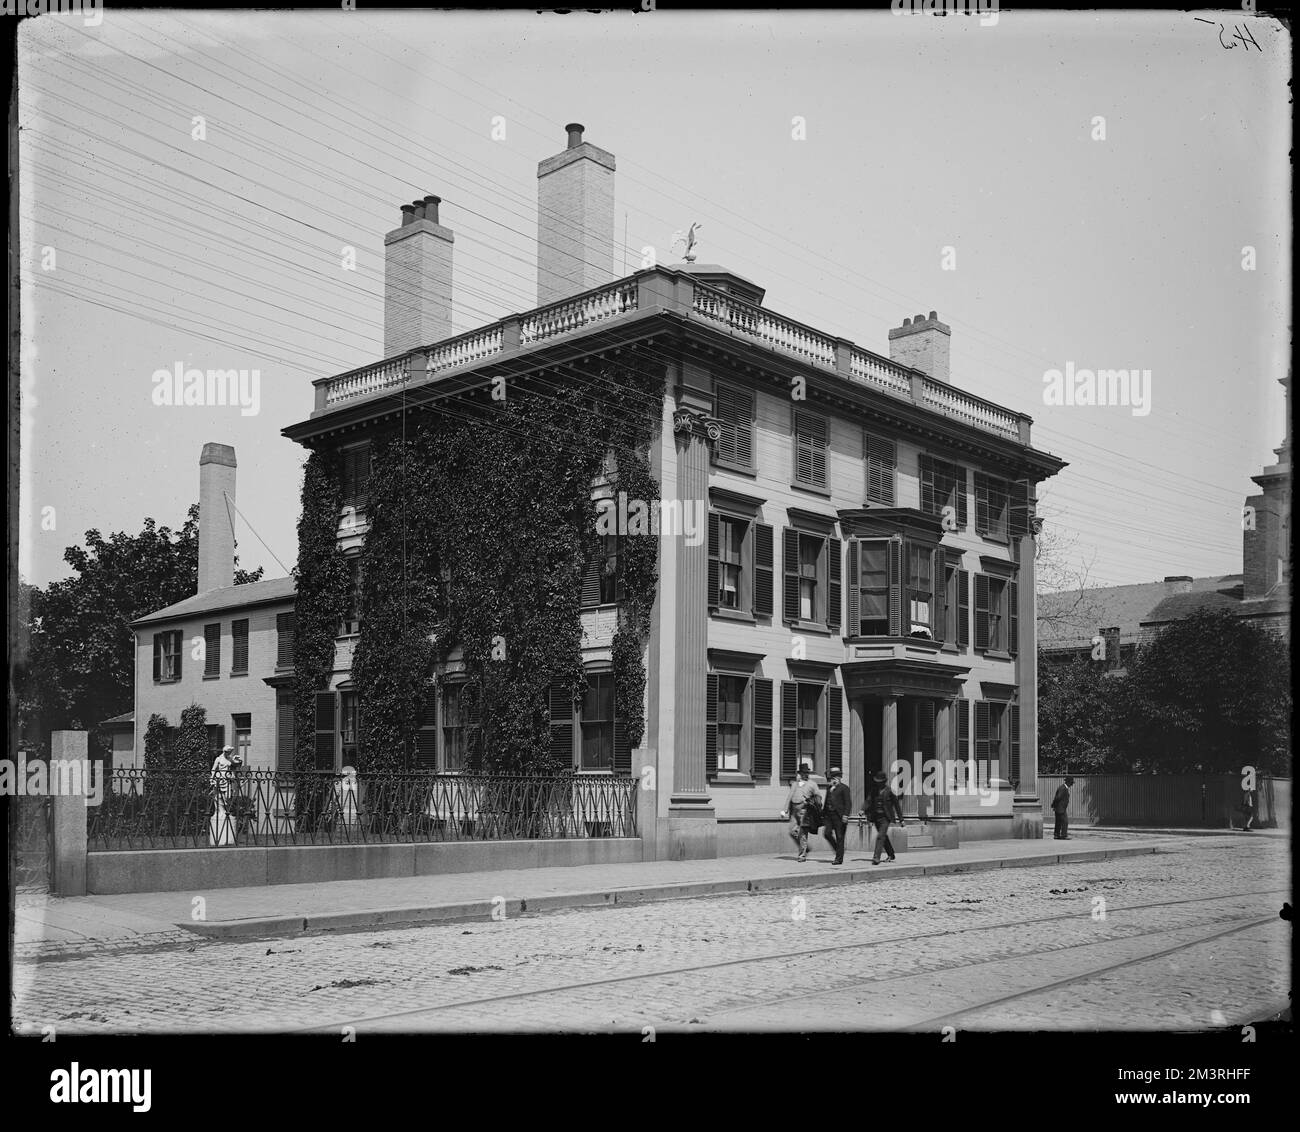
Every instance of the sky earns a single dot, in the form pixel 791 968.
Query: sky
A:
pixel 943 165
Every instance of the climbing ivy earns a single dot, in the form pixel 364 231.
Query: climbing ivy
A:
pixel 481 527
pixel 155 744
pixel 190 753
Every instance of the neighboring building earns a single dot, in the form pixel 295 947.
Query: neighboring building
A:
pixel 826 533
pixel 121 734
pixel 1073 623
pixel 229 648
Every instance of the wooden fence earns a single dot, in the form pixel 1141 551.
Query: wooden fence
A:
pixel 1211 801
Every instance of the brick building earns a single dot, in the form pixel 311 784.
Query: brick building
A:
pixel 865 592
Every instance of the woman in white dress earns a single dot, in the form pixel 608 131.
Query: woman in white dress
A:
pixel 221 828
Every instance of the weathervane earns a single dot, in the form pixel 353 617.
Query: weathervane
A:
pixel 688 241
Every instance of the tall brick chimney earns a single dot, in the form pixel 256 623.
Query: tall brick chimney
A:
pixel 417 279
pixel 216 519
pixel 575 220
pixel 923 344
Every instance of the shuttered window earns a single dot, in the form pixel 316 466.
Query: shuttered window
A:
pixel 285 624
pixel 426 738
pixel 348 723
pixel 734 410
pixel 355 476
pixel 812 726
pixel 1013 745
pixel 741 567
pixel 920 589
pixel 285 731
pixel 212 650
pixel 992 507
pixel 881 457
pixel 324 742
pixel 167 657
pixel 597 723
pixel 239 647
pixel 350 622
pixel 811 578
pixel 561 702
pixel 455 726
pixel 762 757
pixel 943 485
pixel 810 438
pixel 997 620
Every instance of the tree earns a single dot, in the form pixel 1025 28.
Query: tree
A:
pixel 1212 693
pixel 1078 610
pixel 1077 719
pixel 77 667
pixel 191 749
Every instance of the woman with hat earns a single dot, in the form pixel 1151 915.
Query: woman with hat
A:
pixel 221 830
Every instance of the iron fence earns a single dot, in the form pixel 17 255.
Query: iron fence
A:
pixel 178 810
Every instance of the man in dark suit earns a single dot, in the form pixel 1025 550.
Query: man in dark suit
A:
pixel 1061 807
pixel 836 811
pixel 882 804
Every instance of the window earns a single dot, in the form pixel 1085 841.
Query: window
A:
pixel 597 723
pixel 992 507
pixel 602 584
pixel 740 565
pixel 873 611
pixel 943 485
pixel 731 717
pixel 354 475
pixel 243 726
pixel 996 615
pixel 810 435
pixel 324 739
pixel 881 458
pixel 920 589
pixel 212 650
pixel 811 726
pixel 167 657
pixel 990 718
pixel 738 725
pixel 216 740
pixel 239 647
pixel 956 604
pixel 455 719
pixel 350 623
pixel 286 731
pixel 284 630
pixel 348 727
pixel 735 413
pixel 811 579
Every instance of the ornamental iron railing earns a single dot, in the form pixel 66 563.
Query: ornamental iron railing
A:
pixel 179 810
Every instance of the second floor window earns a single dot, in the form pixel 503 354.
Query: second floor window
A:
pixel 602 584
pixel 996 615
pixel 731 544
pixel 212 650
pixel 354 476
pixel 284 630
pixel 740 564
pixel 350 622
pixel 167 657
pixel 812 579
pixel 920 589
pixel 239 647
pixel 892 588
pixel 955 627
pixel 992 507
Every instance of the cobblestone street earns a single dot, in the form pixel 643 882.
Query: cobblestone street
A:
pixel 1186 938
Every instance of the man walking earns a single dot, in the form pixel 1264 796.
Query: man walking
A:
pixel 796 808
pixel 1061 807
pixel 882 804
pixel 839 805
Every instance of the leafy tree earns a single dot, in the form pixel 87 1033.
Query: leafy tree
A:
pixel 191 749
pixel 75 661
pixel 1211 693
pixel 156 735
pixel 1077 719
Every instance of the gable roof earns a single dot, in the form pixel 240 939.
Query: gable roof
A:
pixel 1070 619
pixel 264 592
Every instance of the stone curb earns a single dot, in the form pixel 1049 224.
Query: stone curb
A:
pixel 482 909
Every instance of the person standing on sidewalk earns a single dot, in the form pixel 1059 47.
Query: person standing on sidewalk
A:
pixel 796 808
pixel 1061 807
pixel 839 806
pixel 882 804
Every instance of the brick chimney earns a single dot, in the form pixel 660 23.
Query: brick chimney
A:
pixel 216 517
pixel 417 279
pixel 923 344
pixel 1178 584
pixel 575 220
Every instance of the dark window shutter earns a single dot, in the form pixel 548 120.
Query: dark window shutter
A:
pixel 1021 492
pixel 895 587
pixel 157 657
pixel 834 726
pixel 762 762
pixel 982 733
pixel 925 729
pixel 1013 618
pixel 239 646
pixel 854 626
pixel 981 611
pixel 212 650
pixel 881 458
pixel 426 738
pixel 325 706
pixel 963 609
pixel 763 570
pixel 711 725
pixel 284 633
pixel 809 448
pixel 591 582
pixel 981 504
pixel 1014 773
pixel 714 524
pixel 961 734
pixel 470 701
pixel 622 747
pixel 789 729
pixel 927 486
pixel 960 474
pixel 561 723
pixel 834 596
pixel 790 590
pixel 735 413
pixel 284 732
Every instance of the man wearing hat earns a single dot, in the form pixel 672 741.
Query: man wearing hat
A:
pixel 1061 808
pixel 882 804
pixel 839 805
pixel 796 808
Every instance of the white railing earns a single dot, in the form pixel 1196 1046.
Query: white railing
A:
pixel 369 379
pixel 762 326
pixel 574 314
pixel 953 403
pixel 472 347
pixel 871 370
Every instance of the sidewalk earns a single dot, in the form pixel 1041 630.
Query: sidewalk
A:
pixel 47 928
